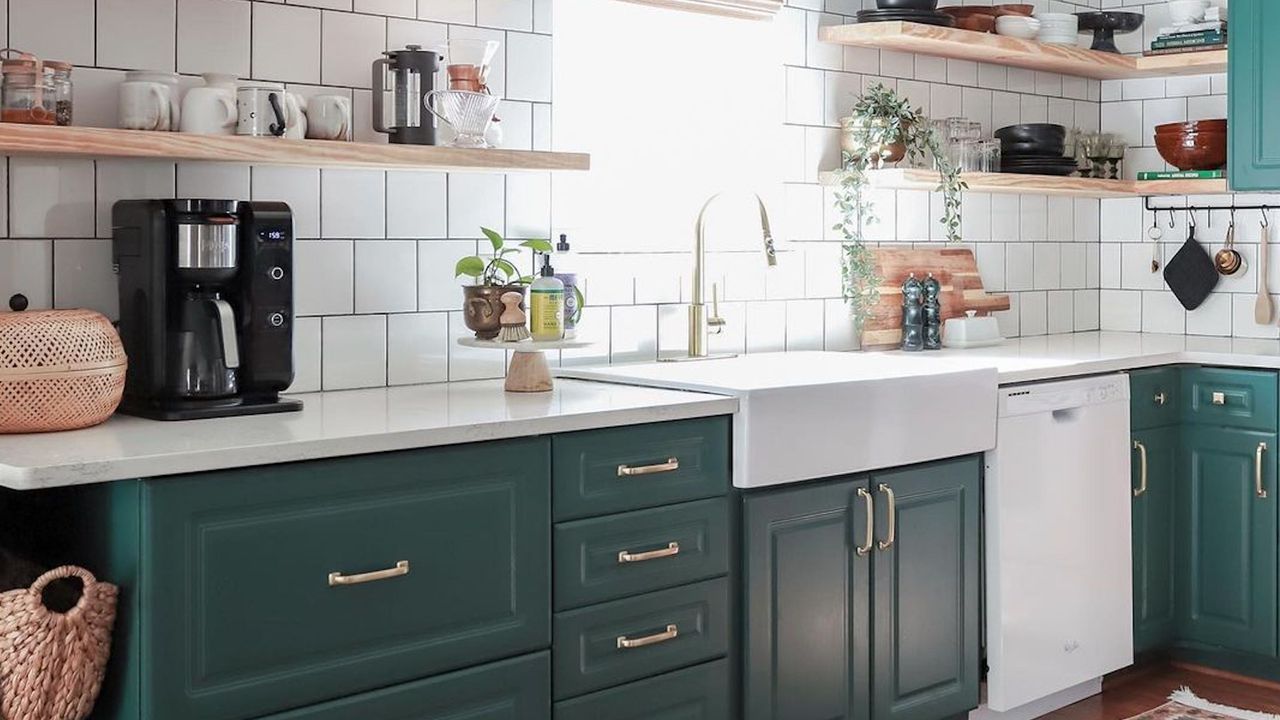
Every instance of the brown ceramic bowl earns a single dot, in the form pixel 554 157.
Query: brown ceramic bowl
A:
pixel 977 23
pixel 1022 9
pixel 1216 125
pixel 963 11
pixel 1204 150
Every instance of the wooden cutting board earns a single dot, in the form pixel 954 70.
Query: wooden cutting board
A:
pixel 954 267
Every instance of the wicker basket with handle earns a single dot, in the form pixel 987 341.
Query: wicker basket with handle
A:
pixel 59 370
pixel 51 663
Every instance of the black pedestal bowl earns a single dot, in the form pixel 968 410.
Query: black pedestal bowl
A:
pixel 1105 25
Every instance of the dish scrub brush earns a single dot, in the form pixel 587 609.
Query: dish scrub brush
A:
pixel 512 319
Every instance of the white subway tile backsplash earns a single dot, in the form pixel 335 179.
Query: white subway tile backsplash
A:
pixel 286 43
pixel 806 324
pixel 418 348
pixel 1161 313
pixel 131 180
pixel 353 203
pixel 349 43
pixel 51 198
pixel 83 276
pixel 212 180
pixel 323 277
pixel 438 287
pixel 1033 313
pixel 297 187
pixel 306 355
pixel 528 205
pixel 634 333
pixel 70 38
pixel 397 8
pixel 26 268
pixel 213 36
pixel 417 204
pixel 135 33
pixel 1061 311
pixel 766 327
pixel 462 12
pixel 386 274
pixel 354 350
pixel 475 201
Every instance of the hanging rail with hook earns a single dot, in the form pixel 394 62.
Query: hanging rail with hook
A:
pixel 1146 202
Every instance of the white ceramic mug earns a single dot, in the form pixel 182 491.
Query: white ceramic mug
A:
pixel 148 105
pixel 295 116
pixel 211 109
pixel 262 110
pixel 329 117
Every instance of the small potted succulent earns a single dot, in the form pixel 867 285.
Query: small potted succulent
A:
pixel 492 275
pixel 883 127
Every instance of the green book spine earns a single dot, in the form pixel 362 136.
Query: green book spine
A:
pixel 1180 175
pixel 1214 39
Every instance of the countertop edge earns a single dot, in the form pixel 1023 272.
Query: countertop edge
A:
pixel 191 461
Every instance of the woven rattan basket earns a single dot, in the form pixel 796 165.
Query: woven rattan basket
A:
pixel 51 663
pixel 59 370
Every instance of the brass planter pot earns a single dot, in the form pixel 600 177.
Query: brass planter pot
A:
pixel 482 308
pixel 853 141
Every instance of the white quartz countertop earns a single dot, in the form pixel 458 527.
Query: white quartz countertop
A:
pixel 332 424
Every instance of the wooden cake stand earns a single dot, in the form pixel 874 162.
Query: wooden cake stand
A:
pixel 528 372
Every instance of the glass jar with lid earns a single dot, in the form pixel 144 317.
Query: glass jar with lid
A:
pixel 27 93
pixel 60 73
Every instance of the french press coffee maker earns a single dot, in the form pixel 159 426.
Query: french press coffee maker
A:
pixel 412 74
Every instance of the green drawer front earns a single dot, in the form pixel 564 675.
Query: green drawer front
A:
pixel 696 693
pixel 589 466
pixel 586 653
pixel 1155 396
pixel 683 543
pixel 518 689
pixel 1229 398
pixel 241 618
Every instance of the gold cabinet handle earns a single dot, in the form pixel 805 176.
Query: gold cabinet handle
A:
pixel 893 517
pixel 1218 398
pixel 671 465
pixel 671 633
pixel 1142 468
pixel 1257 470
pixel 626 556
pixel 336 578
pixel 865 548
pixel 1160 398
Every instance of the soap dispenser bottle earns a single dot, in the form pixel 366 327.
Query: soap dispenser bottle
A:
pixel 932 313
pixel 912 314
pixel 572 299
pixel 546 300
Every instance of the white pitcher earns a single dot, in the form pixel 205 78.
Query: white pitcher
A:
pixel 211 108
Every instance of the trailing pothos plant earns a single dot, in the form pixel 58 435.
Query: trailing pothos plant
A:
pixel 496 270
pixel 880 120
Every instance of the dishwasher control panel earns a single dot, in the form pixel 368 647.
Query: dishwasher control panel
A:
pixel 1063 395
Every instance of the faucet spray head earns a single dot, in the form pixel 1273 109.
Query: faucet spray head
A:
pixel 770 254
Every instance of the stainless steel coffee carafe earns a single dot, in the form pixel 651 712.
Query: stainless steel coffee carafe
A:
pixel 412 74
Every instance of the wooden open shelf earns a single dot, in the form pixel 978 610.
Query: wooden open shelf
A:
pixel 1013 184
pixel 1002 50
pixel 18 139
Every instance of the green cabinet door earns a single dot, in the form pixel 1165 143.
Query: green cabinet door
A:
pixel 1254 95
pixel 1155 462
pixel 925 602
pixel 806 645
pixel 1226 557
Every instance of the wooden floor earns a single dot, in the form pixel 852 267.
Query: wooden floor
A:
pixel 1138 691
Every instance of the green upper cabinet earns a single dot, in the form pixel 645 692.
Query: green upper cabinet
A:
pixel 1254 95
pixel 806 651
pixel 1154 397
pixel 925 624
pixel 287 585
pixel 1155 463
pixel 1226 515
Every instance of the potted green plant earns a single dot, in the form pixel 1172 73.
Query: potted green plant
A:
pixel 492 276
pixel 883 127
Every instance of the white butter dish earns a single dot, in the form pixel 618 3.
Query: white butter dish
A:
pixel 971 331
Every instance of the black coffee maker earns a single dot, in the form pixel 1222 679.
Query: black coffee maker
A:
pixel 206 306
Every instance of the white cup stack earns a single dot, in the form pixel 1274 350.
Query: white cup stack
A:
pixel 1058 28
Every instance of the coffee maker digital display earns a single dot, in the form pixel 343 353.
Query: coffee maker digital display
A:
pixel 206 306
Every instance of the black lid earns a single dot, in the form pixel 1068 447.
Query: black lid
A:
pixel 547 270
pixel 563 245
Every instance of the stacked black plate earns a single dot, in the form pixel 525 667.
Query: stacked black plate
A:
pixel 1034 149
pixel 917 11
pixel 924 17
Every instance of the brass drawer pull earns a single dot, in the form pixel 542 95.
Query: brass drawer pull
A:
pixel 893 517
pixel 1160 398
pixel 626 556
pixel 671 465
pixel 670 633
pixel 1142 467
pixel 865 548
pixel 1219 398
pixel 1257 471
pixel 337 578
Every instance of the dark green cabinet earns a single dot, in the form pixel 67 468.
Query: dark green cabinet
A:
pixel 1254 95
pixel 925 577
pixel 1155 463
pixel 1226 515
pixel 839 572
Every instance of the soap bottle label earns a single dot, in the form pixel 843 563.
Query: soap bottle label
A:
pixel 546 317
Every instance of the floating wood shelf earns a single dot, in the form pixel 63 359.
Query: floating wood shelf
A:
pixel 64 142
pixel 1002 50
pixel 1013 184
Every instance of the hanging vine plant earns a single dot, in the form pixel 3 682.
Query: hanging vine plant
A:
pixel 882 128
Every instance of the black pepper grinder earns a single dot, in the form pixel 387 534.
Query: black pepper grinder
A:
pixel 932 313
pixel 912 314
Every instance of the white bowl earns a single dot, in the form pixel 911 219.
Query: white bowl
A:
pixel 1185 12
pixel 1065 22
pixel 1023 28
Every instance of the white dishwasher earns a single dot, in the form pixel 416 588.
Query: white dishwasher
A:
pixel 1058 565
